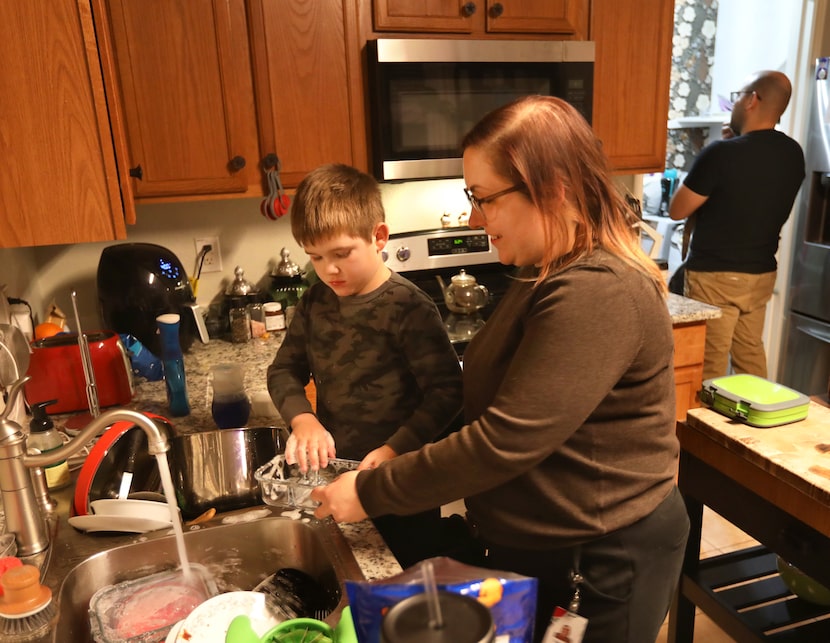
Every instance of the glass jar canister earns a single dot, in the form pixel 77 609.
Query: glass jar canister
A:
pixel 274 316
pixel 240 322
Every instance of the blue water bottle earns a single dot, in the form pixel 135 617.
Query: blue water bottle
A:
pixel 173 364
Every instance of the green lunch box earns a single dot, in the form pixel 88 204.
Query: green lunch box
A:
pixel 754 400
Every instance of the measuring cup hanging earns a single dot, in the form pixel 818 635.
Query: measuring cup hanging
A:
pixel 275 205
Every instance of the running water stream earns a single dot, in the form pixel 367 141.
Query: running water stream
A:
pixel 170 494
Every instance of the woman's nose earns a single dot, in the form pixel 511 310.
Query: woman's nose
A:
pixel 476 219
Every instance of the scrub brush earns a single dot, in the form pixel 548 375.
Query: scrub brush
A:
pixel 26 608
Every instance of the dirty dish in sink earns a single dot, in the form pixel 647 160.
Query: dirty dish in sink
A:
pixel 147 608
pixel 209 622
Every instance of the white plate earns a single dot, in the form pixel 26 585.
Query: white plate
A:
pixel 126 524
pixel 209 622
pixel 173 635
pixel 131 508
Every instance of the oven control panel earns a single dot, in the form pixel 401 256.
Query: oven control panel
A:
pixel 446 248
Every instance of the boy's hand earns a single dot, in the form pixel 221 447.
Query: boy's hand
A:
pixel 309 444
pixel 374 458
pixel 339 499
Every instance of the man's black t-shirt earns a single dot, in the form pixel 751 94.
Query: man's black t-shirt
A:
pixel 751 182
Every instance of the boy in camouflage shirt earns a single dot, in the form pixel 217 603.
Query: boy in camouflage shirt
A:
pixel 388 380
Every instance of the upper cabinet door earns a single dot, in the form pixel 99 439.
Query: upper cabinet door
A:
pixel 186 92
pixel 432 16
pixel 631 87
pixel 59 182
pixel 562 17
pixel 307 78
pixel 566 18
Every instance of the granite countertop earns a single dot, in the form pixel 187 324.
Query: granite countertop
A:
pixel 374 558
pixel 684 310
pixel 372 555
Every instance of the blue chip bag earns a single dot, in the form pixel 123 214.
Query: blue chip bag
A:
pixel 510 597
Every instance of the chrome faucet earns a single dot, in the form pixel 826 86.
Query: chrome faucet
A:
pixel 22 483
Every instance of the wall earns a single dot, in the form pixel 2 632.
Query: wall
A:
pixel 50 273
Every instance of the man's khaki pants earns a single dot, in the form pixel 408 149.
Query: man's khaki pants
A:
pixel 742 298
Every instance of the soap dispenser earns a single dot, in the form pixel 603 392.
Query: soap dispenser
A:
pixel 44 438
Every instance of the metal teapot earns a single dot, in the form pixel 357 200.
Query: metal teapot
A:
pixel 464 295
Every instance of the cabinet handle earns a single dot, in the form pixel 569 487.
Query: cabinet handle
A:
pixel 236 163
pixel 136 172
pixel 496 10
pixel 270 160
pixel 468 9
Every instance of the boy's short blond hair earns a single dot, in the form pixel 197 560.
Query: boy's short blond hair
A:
pixel 336 199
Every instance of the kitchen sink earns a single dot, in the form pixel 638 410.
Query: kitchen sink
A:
pixel 239 549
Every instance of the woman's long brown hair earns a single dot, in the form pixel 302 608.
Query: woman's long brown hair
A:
pixel 545 144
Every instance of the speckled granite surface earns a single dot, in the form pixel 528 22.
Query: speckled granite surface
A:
pixel 371 553
pixel 684 310
pixel 374 558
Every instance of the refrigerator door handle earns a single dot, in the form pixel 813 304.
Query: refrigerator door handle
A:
pixel 815 334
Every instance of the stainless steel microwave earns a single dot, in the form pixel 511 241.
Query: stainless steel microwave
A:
pixel 426 94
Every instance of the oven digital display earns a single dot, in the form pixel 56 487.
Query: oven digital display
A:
pixel 458 245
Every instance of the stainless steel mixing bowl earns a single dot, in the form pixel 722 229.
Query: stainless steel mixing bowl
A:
pixel 215 468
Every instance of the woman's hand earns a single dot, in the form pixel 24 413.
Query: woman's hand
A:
pixel 339 499
pixel 375 457
pixel 309 444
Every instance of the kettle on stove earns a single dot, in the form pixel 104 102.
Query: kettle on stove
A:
pixel 464 295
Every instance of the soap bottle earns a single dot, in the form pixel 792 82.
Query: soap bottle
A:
pixel 44 438
pixel 172 364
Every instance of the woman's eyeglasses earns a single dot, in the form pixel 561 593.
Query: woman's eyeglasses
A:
pixel 477 203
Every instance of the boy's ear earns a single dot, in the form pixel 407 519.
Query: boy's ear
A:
pixel 381 236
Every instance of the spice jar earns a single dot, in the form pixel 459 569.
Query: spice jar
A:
pixel 274 316
pixel 240 322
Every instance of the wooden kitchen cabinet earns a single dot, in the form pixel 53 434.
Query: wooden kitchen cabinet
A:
pixel 211 88
pixel 60 182
pixel 186 91
pixel 308 84
pixel 631 81
pixel 565 18
pixel 689 344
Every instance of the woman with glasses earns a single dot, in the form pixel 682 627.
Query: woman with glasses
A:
pixel 568 460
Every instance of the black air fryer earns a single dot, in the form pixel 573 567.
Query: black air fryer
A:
pixel 137 282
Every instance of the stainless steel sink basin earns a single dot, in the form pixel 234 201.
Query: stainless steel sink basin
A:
pixel 239 549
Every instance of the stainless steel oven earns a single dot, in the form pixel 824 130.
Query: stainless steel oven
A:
pixel 431 258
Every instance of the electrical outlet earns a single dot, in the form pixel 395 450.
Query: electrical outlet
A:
pixel 213 259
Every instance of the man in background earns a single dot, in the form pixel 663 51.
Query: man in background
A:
pixel 740 190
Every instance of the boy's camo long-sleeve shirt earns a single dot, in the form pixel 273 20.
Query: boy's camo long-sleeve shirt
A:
pixel 382 363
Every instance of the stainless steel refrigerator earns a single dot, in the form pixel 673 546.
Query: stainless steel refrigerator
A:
pixel 806 362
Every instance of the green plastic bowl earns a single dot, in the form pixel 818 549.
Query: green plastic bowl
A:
pixel 802 585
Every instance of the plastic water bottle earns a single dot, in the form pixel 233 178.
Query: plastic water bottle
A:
pixel 172 363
